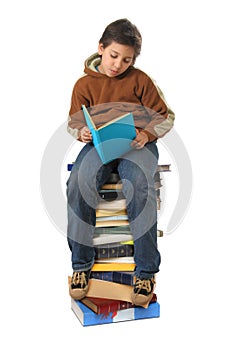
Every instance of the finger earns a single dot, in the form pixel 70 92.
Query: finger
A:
pixel 136 145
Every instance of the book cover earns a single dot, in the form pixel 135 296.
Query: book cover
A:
pixel 113 139
pixel 109 290
pixel 87 317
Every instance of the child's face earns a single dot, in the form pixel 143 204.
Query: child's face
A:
pixel 116 58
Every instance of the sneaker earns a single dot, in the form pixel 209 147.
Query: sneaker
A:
pixel 143 291
pixel 79 284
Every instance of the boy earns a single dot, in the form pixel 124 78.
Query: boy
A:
pixel 111 85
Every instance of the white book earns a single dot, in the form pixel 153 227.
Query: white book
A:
pixel 118 204
pixel 113 217
pixel 111 238
pixel 123 259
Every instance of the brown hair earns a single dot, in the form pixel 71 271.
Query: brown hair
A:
pixel 123 32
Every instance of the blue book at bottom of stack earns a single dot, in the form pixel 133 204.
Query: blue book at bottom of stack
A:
pixel 87 317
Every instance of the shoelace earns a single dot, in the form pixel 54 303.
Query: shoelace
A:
pixel 79 278
pixel 144 284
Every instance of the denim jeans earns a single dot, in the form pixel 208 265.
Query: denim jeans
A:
pixel 136 170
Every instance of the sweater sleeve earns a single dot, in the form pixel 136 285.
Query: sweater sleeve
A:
pixel 76 119
pixel 162 117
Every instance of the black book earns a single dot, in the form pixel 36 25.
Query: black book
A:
pixel 108 251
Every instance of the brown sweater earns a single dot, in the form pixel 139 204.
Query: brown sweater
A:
pixel 133 91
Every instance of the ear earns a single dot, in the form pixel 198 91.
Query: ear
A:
pixel 100 49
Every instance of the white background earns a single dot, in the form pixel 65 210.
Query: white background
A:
pixel 187 48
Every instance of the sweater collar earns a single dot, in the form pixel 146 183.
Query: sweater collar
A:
pixel 95 60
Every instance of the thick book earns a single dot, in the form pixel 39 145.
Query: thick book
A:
pixel 123 277
pixel 113 266
pixel 114 229
pixel 102 306
pixel 111 222
pixel 106 238
pixel 115 205
pixel 115 250
pixel 109 290
pixel 109 195
pixel 118 186
pixel 111 234
pixel 105 212
pixel 121 260
pixel 87 317
pixel 163 168
pixel 114 217
pixel 113 139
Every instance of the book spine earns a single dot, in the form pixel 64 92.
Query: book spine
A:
pixel 110 195
pixel 102 275
pixel 106 309
pixel 114 276
pixel 116 187
pixel 123 278
pixel 122 250
pixel 110 223
pixel 113 267
pixel 117 229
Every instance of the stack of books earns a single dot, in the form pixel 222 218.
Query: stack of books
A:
pixel 111 282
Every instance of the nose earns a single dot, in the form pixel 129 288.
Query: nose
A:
pixel 117 64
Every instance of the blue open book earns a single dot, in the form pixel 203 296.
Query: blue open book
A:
pixel 113 139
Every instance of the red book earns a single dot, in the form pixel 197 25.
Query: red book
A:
pixel 103 306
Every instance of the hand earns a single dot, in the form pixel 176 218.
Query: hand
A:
pixel 85 135
pixel 140 140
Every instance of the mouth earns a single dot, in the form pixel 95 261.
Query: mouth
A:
pixel 114 72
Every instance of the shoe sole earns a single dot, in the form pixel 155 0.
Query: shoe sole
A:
pixel 140 299
pixel 78 294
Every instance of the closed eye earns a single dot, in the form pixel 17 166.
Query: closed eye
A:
pixel 128 60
